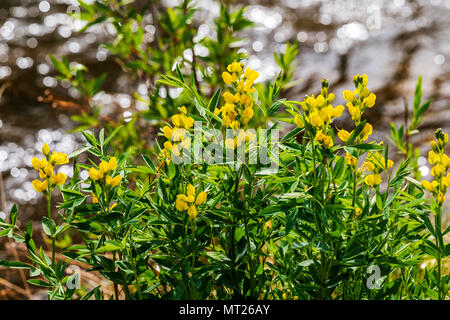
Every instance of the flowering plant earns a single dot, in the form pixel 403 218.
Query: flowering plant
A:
pixel 325 209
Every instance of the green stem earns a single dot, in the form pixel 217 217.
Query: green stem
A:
pixel 49 213
pixel 438 222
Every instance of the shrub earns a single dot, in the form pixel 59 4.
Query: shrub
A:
pixel 308 216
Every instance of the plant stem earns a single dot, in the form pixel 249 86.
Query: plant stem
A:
pixel 49 212
pixel 438 222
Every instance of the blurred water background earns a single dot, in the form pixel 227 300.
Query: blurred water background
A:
pixel 392 41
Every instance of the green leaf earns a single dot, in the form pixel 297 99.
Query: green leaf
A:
pixel 162 191
pixel 40 283
pixel 110 245
pixel 356 133
pixel 112 135
pixel 239 233
pixel 306 263
pixel 214 101
pixel 149 162
pixel 13 215
pixel 15 264
pixel 290 222
pixel 179 74
pixel 78 152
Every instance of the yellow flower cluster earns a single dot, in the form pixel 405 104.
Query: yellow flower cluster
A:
pixel 365 133
pixel 238 108
pixel 360 99
pixel 189 202
pixel 441 163
pixel 241 137
pixel 181 123
pixel 103 172
pixel 319 112
pixel 45 167
pixel 357 102
pixel 375 163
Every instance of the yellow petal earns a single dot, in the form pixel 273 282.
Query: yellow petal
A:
pixel 192 212
pixel 45 149
pixel 201 198
pixel 190 190
pixel 36 163
pixel 112 163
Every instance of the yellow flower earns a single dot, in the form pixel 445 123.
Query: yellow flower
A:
pixel 104 167
pixel 229 143
pixel 372 180
pixel 434 145
pixel 181 203
pixel 168 146
pixel 192 212
pixel 189 123
pixel 58 179
pixel 320 100
pixel 337 112
pixel 367 131
pixel 429 186
pixel 369 166
pixel 441 198
pixel 326 140
pixel 178 134
pixel 177 120
pixel 446 180
pixel 311 101
pixel 247 115
pixel 348 95
pixel 227 78
pixel 227 108
pixel 46 171
pixel 365 79
pixel 246 101
pixel 230 98
pixel 326 113
pixel 315 119
pixel 226 121
pixel 234 125
pixel 445 160
pixel 112 163
pixel 351 160
pixel 113 181
pixel 45 149
pixel 40 186
pixel 304 106
pixel 36 163
pixel 344 135
pixel 370 100
pixel 190 190
pixel 95 174
pixel 234 67
pixel 438 170
pixel 183 110
pixel 299 121
pixel 201 198
pixel 251 75
pixel 59 158
pixel 167 132
pixel 331 97
pixel 433 158
pixel 355 113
